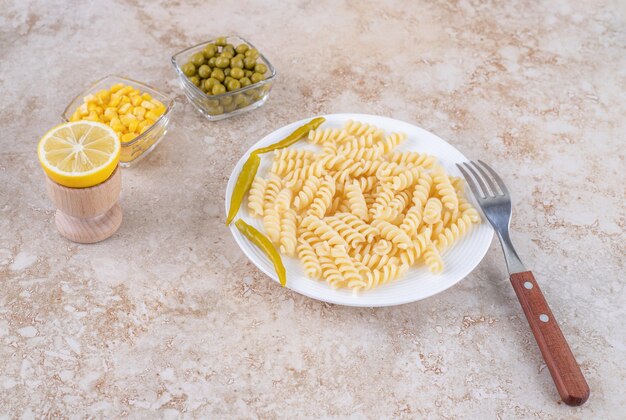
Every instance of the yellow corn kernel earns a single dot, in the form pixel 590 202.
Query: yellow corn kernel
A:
pixel 117 126
pixel 133 92
pixel 91 106
pixel 159 110
pixel 128 137
pixel 135 100
pixel 143 130
pixel 132 127
pixel 148 105
pixel 125 90
pixel 146 96
pixel 151 115
pixel 92 117
pixel 89 98
pixel 82 110
pixel 75 116
pixel 124 109
pixel 125 99
pixel 109 113
pixel 99 110
pixel 119 134
pixel 157 103
pixel 139 112
pixel 104 95
pixel 127 118
pixel 115 99
pixel 149 121
pixel 116 87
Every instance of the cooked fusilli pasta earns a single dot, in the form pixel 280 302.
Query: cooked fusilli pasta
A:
pixel 356 213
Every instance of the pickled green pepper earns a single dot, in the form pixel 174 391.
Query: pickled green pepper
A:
pixel 293 137
pixel 244 181
pixel 264 245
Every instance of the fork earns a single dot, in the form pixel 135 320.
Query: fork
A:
pixel 496 205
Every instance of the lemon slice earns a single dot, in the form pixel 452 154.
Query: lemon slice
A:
pixel 79 154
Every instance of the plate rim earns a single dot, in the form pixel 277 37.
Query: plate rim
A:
pixel 332 298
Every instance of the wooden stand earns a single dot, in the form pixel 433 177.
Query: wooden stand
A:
pixel 87 215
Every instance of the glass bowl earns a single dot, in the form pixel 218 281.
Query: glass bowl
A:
pixel 139 147
pixel 218 107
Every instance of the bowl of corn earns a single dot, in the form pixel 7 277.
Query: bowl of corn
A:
pixel 138 113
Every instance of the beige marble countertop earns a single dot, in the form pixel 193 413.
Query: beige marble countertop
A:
pixel 168 319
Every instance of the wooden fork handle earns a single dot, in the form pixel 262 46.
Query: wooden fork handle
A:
pixel 563 367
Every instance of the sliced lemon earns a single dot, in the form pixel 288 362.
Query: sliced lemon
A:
pixel 79 154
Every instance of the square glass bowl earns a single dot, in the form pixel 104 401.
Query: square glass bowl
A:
pixel 218 107
pixel 139 147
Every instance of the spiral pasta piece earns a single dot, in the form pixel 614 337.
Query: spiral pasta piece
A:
pixel 271 223
pixel 357 128
pixel 432 259
pixel 323 231
pixel 356 201
pixel 392 233
pixel 410 255
pixel 347 268
pixel 432 211
pixel 323 198
pixel 405 179
pixel 383 247
pixel 452 233
pixel 307 193
pixel 351 235
pixel 331 272
pixel 413 158
pixel 255 197
pixel 391 141
pixel 368 231
pixel 445 190
pixel 283 199
pixel 311 263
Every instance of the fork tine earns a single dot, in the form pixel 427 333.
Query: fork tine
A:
pixel 496 177
pixel 479 179
pixel 477 193
pixel 487 178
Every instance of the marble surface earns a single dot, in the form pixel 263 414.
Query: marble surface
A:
pixel 168 319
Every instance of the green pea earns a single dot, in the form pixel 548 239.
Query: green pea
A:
pixel 248 73
pixel 236 63
pixel 221 41
pixel 240 56
pixel 188 69
pixel 211 62
pixel 229 47
pixel 218 74
pixel 197 59
pixel 249 63
pixel 230 108
pixel 209 83
pixel 218 89
pixel 209 51
pixel 226 100
pixel 212 103
pixel 228 54
pixel 240 99
pixel 260 68
pixel 204 71
pixel 226 79
pixel 222 62
pixel 244 81
pixel 195 80
pixel 233 84
pixel 236 73
pixel 227 71
pixel 216 110
pixel 242 48
pixel 252 52
pixel 256 77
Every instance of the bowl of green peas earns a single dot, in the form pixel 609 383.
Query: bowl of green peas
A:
pixel 224 77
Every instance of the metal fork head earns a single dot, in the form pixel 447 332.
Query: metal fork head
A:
pixel 495 201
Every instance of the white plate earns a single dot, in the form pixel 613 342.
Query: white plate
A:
pixel 418 283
